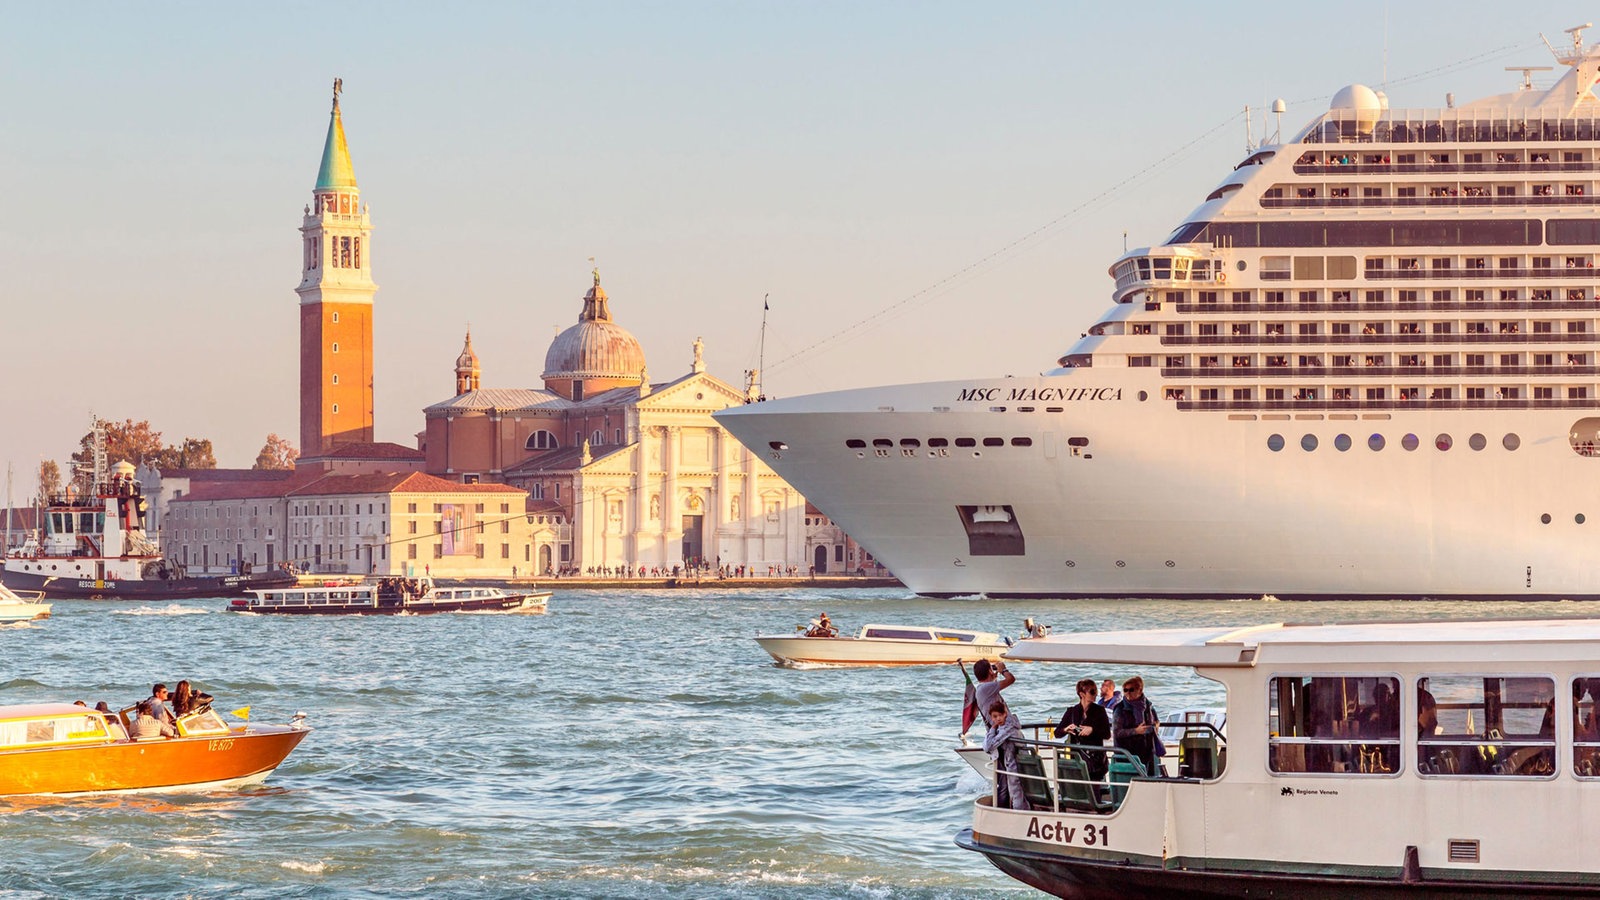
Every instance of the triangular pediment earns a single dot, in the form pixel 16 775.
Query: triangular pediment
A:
pixel 697 390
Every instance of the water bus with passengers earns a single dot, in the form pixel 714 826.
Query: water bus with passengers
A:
pixel 60 748
pixel 1417 760
pixel 389 596
pixel 883 645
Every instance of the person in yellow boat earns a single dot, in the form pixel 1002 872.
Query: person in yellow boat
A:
pixel 147 726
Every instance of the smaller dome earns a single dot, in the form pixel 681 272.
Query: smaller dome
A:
pixel 468 359
pixel 123 467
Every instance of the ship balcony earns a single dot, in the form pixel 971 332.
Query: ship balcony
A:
pixel 1586 273
pixel 1390 405
pixel 1304 340
pixel 1494 168
pixel 1444 202
pixel 1385 372
pixel 1454 306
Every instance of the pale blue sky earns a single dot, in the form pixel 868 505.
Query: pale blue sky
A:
pixel 842 157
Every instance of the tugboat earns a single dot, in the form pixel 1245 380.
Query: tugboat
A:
pixel 92 545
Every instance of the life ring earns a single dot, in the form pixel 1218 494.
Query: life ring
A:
pixel 1222 278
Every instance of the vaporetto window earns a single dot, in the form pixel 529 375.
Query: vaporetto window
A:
pixel 1333 725
pixel 1486 726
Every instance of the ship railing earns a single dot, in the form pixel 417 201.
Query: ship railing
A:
pixel 1466 307
pixel 1452 200
pixel 1386 405
pixel 1477 168
pixel 1291 340
pixel 1055 774
pixel 1587 273
pixel 1224 370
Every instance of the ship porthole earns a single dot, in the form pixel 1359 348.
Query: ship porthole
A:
pixel 1342 442
pixel 1410 442
pixel 1545 518
pixel 1275 443
pixel 1308 443
pixel 1512 442
pixel 1477 442
pixel 1121 564
pixel 1375 442
pixel 1579 518
pixel 1143 396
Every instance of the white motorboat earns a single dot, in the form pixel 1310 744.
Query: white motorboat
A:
pixel 1366 365
pixel 17 608
pixel 1416 760
pixel 884 645
pixel 389 596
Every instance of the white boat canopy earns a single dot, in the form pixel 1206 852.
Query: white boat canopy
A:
pixel 1526 640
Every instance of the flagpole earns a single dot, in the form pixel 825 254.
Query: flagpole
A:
pixel 761 352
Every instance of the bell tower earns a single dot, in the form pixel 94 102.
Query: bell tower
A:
pixel 336 292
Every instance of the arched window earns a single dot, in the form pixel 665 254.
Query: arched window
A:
pixel 598 438
pixel 542 440
pixel 536 490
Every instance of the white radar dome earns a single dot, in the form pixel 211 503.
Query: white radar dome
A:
pixel 1357 104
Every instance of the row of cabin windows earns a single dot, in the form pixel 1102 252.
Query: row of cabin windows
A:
pixel 1374 327
pixel 1376 442
pixel 1465 726
pixel 939 443
pixel 1508 392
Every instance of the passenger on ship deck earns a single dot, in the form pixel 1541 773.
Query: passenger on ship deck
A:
pixel 1134 723
pixel 1001 743
pixel 992 679
pixel 147 725
pixel 1087 724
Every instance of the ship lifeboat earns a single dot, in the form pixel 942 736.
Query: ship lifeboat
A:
pixel 60 748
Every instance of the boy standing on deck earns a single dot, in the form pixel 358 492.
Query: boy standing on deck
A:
pixel 1005 730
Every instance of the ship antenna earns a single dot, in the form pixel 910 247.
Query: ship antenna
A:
pixel 99 473
pixel 752 377
pixel 1249 138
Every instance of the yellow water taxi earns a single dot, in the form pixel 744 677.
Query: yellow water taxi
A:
pixel 60 748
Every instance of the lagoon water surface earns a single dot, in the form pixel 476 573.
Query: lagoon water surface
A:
pixel 622 745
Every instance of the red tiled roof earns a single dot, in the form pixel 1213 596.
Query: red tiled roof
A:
pixel 202 491
pixel 195 475
pixel 397 483
pixel 374 450
pixel 545 506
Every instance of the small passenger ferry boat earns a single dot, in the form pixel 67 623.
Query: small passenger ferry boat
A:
pixel 15 608
pixel 1437 759
pixel 884 645
pixel 59 748
pixel 389 596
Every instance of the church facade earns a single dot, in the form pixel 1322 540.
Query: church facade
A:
pixel 635 474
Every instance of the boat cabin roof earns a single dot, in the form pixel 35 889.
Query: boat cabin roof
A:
pixel 926 632
pixel 1500 640
pixel 41 710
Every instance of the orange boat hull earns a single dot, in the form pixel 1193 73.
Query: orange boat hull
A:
pixel 244 756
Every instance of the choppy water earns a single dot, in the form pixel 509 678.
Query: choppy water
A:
pixel 622 745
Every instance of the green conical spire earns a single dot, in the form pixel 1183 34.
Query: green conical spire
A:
pixel 336 171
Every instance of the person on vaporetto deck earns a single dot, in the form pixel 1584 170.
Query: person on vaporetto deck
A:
pixel 1088 725
pixel 1134 723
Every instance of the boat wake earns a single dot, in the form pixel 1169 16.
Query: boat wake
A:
pixel 171 609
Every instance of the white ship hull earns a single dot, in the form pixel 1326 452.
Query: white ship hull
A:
pixel 1162 502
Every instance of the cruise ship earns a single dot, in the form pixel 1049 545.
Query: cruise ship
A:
pixel 1367 365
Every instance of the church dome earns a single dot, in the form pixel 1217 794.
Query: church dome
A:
pixel 596 350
